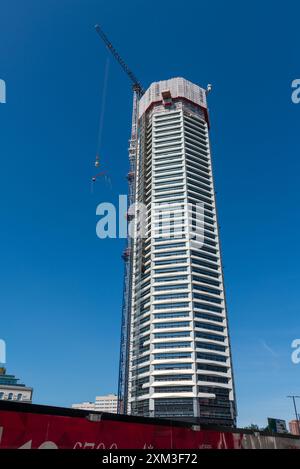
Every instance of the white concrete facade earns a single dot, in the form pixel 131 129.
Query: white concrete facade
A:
pixel 179 351
pixel 16 393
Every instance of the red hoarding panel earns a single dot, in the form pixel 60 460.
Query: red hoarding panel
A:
pixel 36 430
pixel 29 430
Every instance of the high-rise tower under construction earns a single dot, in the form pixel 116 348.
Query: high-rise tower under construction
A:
pixel 175 348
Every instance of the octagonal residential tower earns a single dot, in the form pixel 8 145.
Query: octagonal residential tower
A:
pixel 175 352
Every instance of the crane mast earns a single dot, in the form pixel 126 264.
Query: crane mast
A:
pixel 138 92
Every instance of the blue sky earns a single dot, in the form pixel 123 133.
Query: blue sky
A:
pixel 61 287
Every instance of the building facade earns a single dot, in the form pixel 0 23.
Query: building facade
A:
pixel 294 426
pixel 12 390
pixel 176 359
pixel 107 403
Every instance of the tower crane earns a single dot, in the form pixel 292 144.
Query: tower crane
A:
pixel 138 92
pixel 136 85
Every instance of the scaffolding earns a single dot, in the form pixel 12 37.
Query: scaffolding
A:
pixel 128 268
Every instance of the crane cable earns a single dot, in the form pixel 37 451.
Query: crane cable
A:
pixel 101 121
pixel 103 101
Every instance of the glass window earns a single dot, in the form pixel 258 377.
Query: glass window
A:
pixel 173 366
pixel 171 355
pixel 173 377
pixel 170 269
pixel 171 287
pixel 211 356
pixel 211 317
pixel 171 315
pixel 170 325
pixel 207 307
pixel 170 279
pixel 171 305
pixel 171 261
pixel 209 336
pixel 212 378
pixel 171 335
pixel 208 367
pixel 206 345
pixel 208 281
pixel 173 389
pixel 171 296
pixel 205 272
pixel 172 345
pixel 211 327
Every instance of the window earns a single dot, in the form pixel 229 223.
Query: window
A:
pixel 168 196
pixel 171 355
pixel 173 378
pixel 178 231
pixel 204 306
pixel 10 396
pixel 207 367
pixel 205 264
pixel 211 317
pixel 175 407
pixel 19 396
pixel 171 305
pixel 173 366
pixel 171 315
pixel 165 219
pixel 171 287
pixel 207 346
pixel 176 278
pixel 171 296
pixel 171 335
pixel 171 261
pixel 173 389
pixel 165 208
pixel 171 269
pixel 207 298
pixel 169 325
pixel 176 174
pixel 212 378
pixel 205 280
pixel 205 272
pixel 211 356
pixel 177 163
pixel 212 327
pixel 172 345
pixel 1 395
pixel 167 189
pixel 139 371
pixel 207 289
pixel 205 256
pixel 210 336
pixel 137 361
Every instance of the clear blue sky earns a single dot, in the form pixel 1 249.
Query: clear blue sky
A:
pixel 61 287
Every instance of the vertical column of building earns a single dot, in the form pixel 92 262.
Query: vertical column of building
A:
pixel 214 377
pixel 171 365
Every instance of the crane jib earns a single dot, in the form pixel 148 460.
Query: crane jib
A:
pixel 136 84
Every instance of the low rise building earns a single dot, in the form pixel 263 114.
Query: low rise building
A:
pixel 294 426
pixel 107 403
pixel 12 390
